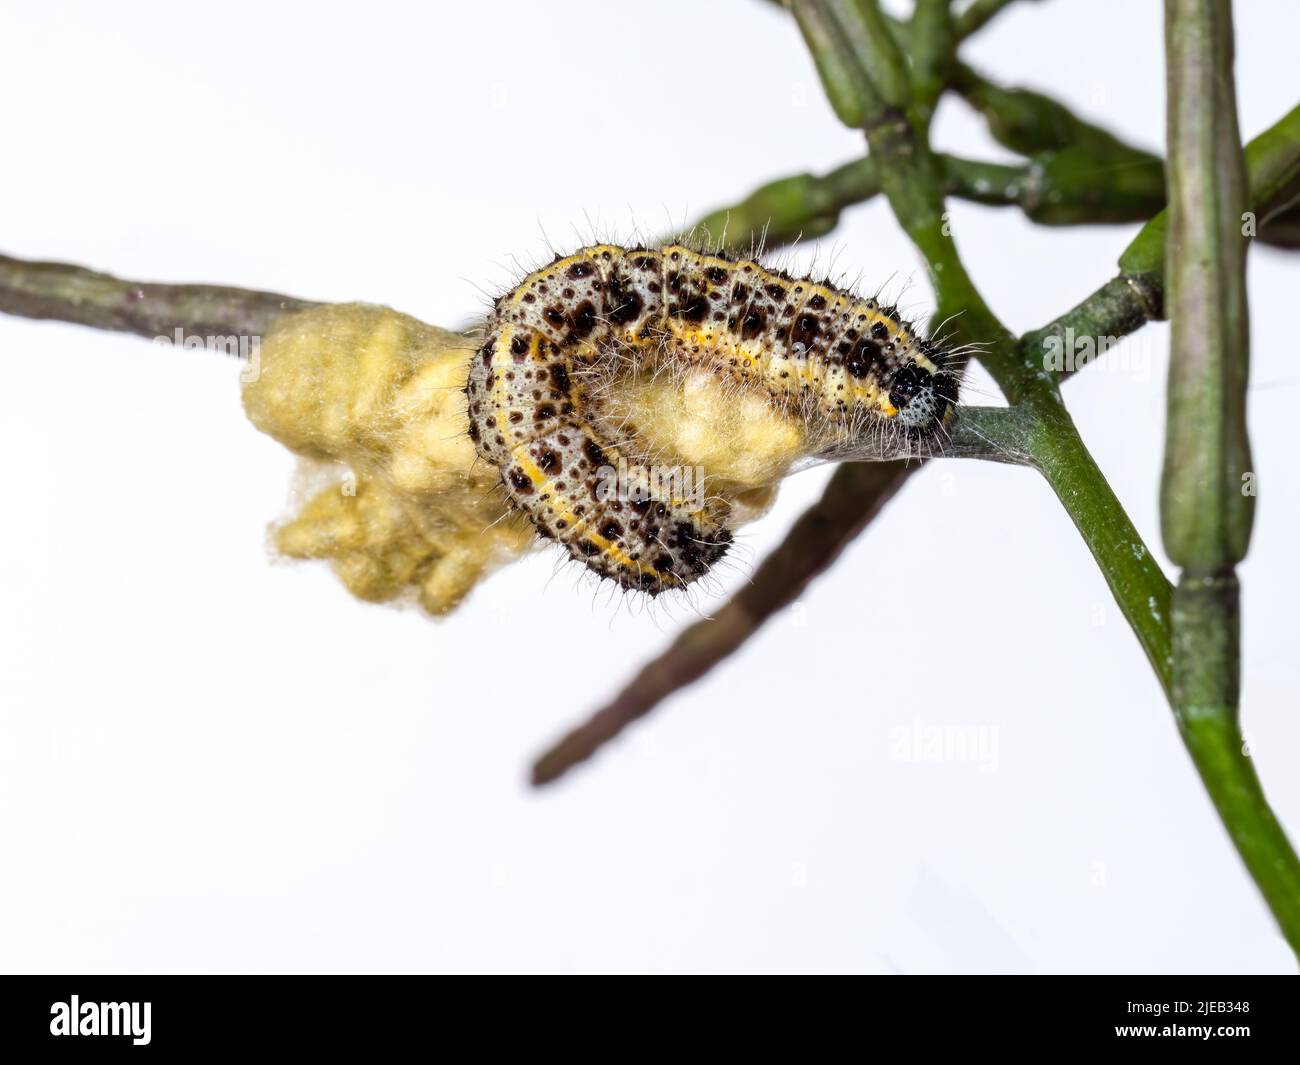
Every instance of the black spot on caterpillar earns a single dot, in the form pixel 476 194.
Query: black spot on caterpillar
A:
pixel 847 367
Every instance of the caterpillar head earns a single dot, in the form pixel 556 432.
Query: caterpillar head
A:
pixel 925 399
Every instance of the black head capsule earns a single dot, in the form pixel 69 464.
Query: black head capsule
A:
pixel 913 391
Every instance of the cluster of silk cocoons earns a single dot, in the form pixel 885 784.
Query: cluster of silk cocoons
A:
pixel 391 491
pixel 372 401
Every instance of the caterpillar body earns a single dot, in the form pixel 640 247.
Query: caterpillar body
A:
pixel 848 368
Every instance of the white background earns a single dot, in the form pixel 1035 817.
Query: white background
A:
pixel 212 762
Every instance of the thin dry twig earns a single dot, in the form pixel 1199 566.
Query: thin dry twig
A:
pixel 69 293
pixel 855 494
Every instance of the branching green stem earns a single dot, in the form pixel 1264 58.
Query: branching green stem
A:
pixel 1054 188
pixel 910 179
pixel 977 15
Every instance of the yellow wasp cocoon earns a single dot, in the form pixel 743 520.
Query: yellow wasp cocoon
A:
pixel 378 396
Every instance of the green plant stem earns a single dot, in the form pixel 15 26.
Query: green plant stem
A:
pixel 846 85
pixel 1056 188
pixel 1064 187
pixel 1205 515
pixel 799 207
pixel 1282 230
pixel 909 180
pixel 1029 122
pixel 1206 627
pixel 1119 307
pixel 977 15
pixel 1076 173
pixel 1206 511
pixel 1137 294
pixel 909 173
pixel 1133 575
pixel 1273 168
pixel 932 39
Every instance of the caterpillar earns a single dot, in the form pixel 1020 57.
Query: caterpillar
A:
pixel 846 367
